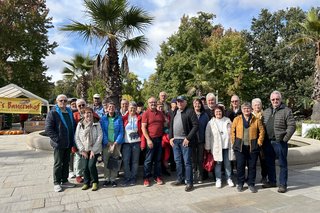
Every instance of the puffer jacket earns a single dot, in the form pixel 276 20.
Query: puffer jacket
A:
pixel 96 133
pixel 57 130
pixel 256 134
pixel 118 129
pixel 284 123
pixel 213 140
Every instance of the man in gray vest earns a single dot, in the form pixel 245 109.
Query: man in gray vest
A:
pixel 280 126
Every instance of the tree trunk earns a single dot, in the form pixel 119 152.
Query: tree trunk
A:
pixel 114 83
pixel 316 111
pixel 316 88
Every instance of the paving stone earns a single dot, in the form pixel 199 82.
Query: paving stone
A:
pixel 66 199
pixel 7 192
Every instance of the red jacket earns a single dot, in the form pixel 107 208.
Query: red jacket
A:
pixel 125 122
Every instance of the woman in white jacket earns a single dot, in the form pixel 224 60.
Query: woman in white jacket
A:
pixel 89 141
pixel 219 143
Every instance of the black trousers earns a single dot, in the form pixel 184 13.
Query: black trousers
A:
pixel 61 165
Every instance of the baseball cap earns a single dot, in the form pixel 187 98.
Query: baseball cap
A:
pixel 174 100
pixel 181 98
pixel 96 96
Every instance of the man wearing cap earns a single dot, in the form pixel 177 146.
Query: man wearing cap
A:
pixel 60 128
pixel 152 129
pixel 184 127
pixel 97 105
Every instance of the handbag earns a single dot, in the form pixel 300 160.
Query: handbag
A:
pixel 208 162
pixel 114 163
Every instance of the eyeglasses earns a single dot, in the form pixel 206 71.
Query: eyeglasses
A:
pixel 275 99
pixel 234 101
pixel 65 101
pixel 152 102
pixel 81 105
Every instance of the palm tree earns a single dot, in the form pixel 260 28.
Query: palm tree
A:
pixel 312 35
pixel 79 71
pixel 200 82
pixel 117 24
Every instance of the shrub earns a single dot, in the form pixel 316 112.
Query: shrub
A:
pixel 299 128
pixel 314 133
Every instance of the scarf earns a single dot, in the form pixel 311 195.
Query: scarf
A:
pixel 246 123
pixel 87 130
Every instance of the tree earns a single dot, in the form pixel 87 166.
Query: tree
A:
pixel 79 71
pixel 118 25
pixel 280 66
pixel 311 35
pixel 24 44
pixel 132 86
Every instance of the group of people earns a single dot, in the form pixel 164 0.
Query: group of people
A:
pixel 236 137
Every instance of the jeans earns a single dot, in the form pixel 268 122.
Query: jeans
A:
pixel 246 158
pixel 130 156
pixel 61 165
pixel 180 152
pixel 153 156
pixel 90 170
pixel 227 165
pixel 277 150
pixel 78 165
pixel 197 160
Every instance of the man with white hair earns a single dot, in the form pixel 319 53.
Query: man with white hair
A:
pixel 60 128
pixel 211 104
pixel 280 126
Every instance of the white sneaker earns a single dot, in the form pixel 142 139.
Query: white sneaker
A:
pixel 72 175
pixel 230 183
pixel 57 188
pixel 68 185
pixel 218 183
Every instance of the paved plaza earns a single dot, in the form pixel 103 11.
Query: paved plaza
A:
pixel 26 186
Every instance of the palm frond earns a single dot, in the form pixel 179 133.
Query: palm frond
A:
pixel 136 19
pixel 86 31
pixel 135 46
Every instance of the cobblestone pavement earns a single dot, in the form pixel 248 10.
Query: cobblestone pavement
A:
pixel 26 186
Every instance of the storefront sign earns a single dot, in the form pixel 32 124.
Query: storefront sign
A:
pixel 20 105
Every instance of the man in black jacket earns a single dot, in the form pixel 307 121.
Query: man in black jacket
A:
pixel 60 128
pixel 184 126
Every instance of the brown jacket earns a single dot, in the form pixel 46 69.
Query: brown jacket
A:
pixel 256 134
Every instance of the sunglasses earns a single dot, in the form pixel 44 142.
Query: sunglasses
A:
pixel 65 101
pixel 275 99
pixel 81 105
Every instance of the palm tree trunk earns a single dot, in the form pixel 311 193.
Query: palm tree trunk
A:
pixel 316 88
pixel 114 86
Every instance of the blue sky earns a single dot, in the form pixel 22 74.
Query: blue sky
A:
pixel 236 14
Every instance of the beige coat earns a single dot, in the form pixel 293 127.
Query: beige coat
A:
pixel 96 144
pixel 214 140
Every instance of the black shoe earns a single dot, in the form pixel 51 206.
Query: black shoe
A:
pixel 114 184
pixel 106 183
pixel 240 188
pixel 188 188
pixel 282 189
pixel 264 180
pixel 177 183
pixel 269 185
pixel 253 189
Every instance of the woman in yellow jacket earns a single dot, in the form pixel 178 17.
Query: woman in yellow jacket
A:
pixel 247 134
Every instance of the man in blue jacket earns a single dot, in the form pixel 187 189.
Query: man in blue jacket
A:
pixel 60 128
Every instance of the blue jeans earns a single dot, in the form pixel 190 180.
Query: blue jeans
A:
pixel 277 150
pixel 153 156
pixel 130 156
pixel 246 158
pixel 180 152
pixel 227 165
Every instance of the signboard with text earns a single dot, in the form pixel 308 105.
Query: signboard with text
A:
pixel 20 105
